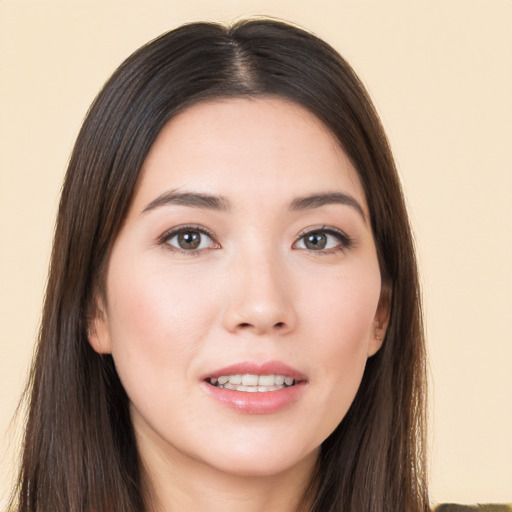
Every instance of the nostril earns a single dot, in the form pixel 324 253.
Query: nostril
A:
pixel 247 325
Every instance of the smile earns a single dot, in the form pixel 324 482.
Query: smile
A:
pixel 251 383
pixel 252 387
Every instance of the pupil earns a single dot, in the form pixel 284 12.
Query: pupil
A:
pixel 189 240
pixel 316 241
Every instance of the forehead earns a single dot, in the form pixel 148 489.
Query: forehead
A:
pixel 268 147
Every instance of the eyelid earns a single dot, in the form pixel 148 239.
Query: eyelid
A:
pixel 346 242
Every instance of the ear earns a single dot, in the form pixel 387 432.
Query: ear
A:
pixel 381 321
pixel 98 331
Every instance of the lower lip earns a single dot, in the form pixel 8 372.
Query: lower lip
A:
pixel 268 402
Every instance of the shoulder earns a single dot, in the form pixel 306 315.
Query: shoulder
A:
pixel 489 507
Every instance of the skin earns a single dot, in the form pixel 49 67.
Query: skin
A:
pixel 253 291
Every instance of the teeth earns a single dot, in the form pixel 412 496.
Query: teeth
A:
pixel 253 383
pixel 266 380
pixel 249 380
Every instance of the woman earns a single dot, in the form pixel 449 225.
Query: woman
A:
pixel 232 316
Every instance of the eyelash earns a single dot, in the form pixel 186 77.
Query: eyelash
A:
pixel 345 242
pixel 169 235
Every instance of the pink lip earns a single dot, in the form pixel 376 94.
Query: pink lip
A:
pixel 253 368
pixel 258 402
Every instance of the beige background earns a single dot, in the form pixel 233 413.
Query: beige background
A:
pixel 441 76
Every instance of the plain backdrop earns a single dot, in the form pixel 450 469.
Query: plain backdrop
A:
pixel 440 73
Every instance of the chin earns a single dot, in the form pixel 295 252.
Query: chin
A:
pixel 259 462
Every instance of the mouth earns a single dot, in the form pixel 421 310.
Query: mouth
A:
pixel 252 383
pixel 256 387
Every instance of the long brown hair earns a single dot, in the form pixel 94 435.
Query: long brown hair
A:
pixel 79 451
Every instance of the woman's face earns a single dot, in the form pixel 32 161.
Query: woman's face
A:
pixel 246 260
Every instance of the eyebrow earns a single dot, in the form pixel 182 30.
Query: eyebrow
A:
pixel 212 202
pixel 318 200
pixel 192 199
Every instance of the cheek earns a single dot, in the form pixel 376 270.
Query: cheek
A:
pixel 157 321
pixel 342 322
pixel 157 306
pixel 343 309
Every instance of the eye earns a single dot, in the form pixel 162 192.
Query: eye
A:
pixel 323 240
pixel 189 239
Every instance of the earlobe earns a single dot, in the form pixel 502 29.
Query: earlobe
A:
pixel 377 341
pixel 97 329
pixel 380 322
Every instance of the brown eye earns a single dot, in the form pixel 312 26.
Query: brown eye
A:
pixel 189 240
pixel 315 241
pixel 326 239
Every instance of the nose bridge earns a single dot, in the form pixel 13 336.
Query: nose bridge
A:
pixel 261 298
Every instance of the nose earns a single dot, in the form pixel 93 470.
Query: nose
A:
pixel 261 298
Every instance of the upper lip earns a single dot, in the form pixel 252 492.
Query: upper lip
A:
pixel 255 368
